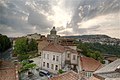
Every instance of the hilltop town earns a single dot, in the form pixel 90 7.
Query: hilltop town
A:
pixel 56 58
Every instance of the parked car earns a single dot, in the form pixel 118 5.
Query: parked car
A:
pixel 44 73
pixel 30 61
pixel 30 74
pixel 41 74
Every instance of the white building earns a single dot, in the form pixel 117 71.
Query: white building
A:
pixel 55 57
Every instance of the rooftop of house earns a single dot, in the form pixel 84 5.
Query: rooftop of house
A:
pixel 110 71
pixel 70 75
pixel 114 74
pixel 68 42
pixel 112 58
pixel 42 44
pixel 89 64
pixel 110 67
pixel 54 48
pixel 6 64
pixel 71 50
pixel 94 78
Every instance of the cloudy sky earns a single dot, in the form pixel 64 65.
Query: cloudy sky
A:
pixel 70 17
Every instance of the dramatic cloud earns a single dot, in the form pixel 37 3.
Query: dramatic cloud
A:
pixel 71 17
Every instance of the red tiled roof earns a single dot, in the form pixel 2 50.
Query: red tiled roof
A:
pixel 71 75
pixel 42 44
pixel 54 48
pixel 6 64
pixel 89 64
pixel 8 71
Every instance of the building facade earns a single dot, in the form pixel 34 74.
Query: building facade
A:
pixel 55 57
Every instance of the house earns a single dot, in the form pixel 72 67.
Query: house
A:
pixel 71 58
pixel 8 71
pixel 54 57
pixel 111 59
pixel 88 66
pixel 109 72
pixel 35 36
pixel 70 75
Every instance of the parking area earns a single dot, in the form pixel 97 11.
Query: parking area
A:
pixel 37 61
pixel 36 74
pixel 33 75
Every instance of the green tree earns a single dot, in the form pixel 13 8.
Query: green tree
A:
pixel 21 45
pixel 24 46
pixel 89 51
pixel 4 43
pixel 32 45
pixel 27 66
pixel 61 71
pixel 23 56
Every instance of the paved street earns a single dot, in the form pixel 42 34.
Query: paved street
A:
pixel 37 61
pixel 36 76
pixel 7 54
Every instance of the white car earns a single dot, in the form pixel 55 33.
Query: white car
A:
pixel 44 73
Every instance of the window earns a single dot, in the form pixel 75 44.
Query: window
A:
pixel 56 67
pixel 68 55
pixel 53 57
pixel 40 53
pixel 52 66
pixel 57 58
pixel 88 74
pixel 74 57
pixel 44 64
pixel 47 65
pixel 44 56
pixel 47 56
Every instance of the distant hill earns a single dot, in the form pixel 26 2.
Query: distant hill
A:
pixel 88 36
pixel 102 39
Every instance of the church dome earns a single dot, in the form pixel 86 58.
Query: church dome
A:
pixel 53 31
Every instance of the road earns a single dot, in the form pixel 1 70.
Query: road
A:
pixel 7 54
pixel 24 76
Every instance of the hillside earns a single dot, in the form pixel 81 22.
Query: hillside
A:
pixel 88 36
pixel 102 39
pixel 102 48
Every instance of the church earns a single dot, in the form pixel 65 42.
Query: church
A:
pixel 53 37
